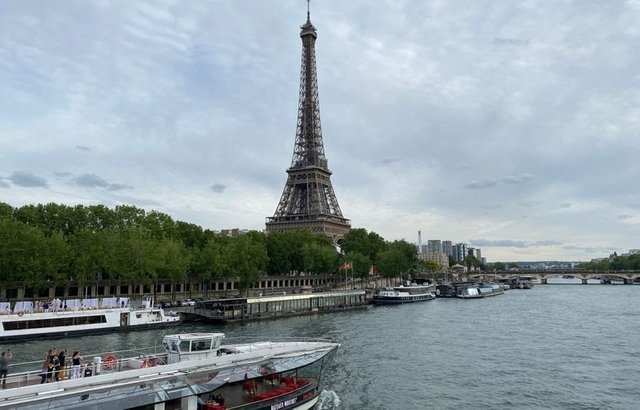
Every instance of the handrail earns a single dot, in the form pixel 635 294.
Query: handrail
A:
pixel 128 353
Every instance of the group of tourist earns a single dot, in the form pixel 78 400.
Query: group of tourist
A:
pixel 54 366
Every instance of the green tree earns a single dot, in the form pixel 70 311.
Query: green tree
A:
pixel 21 253
pixel 6 211
pixel 471 262
pixel 278 249
pixel 365 243
pixel 319 259
pixel 244 258
pixel 393 263
pixel 360 264
pixel 499 266
pixel 174 260
pixel 207 263
pixel 56 259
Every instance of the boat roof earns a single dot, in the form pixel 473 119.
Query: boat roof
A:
pixel 192 336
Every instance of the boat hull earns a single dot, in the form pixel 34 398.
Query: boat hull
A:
pixel 51 325
pixel 396 300
pixel 95 331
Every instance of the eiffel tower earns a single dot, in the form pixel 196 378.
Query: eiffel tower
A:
pixel 308 200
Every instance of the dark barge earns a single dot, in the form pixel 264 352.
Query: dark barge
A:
pixel 271 307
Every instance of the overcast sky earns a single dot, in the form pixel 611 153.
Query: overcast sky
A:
pixel 510 125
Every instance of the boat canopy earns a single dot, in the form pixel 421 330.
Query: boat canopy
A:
pixel 192 342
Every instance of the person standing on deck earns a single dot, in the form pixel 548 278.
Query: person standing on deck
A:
pixel 61 359
pixel 76 361
pixel 56 368
pixel 4 366
pixel 45 370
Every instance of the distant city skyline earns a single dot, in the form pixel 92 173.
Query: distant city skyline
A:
pixel 510 126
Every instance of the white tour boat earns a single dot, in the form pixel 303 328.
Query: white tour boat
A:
pixel 195 371
pixel 62 318
pixel 405 294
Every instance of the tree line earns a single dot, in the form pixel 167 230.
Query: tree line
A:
pixel 63 245
pixel 614 263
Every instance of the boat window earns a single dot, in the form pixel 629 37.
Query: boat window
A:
pixel 184 346
pixel 201 344
pixel 55 322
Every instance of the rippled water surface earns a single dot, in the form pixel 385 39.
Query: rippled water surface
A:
pixel 549 347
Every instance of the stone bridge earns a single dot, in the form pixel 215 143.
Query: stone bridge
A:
pixel 628 277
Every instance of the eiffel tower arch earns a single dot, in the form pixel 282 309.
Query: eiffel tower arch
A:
pixel 308 200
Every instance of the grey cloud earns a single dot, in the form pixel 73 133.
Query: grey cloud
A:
pixel 82 148
pixel 118 187
pixel 491 182
pixel 94 181
pixel 218 188
pixel 593 250
pixel 625 216
pixel 505 41
pixel 485 183
pixel 3 184
pixel 29 180
pixel 503 243
pixel 529 204
pixel 493 207
pixel 389 161
pixel 91 180
pixel 62 175
pixel 517 179
pixel 507 243
pixel 547 243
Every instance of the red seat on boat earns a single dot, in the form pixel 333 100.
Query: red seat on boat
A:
pixel 249 387
pixel 288 380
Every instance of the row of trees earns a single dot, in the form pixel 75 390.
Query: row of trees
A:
pixel 615 263
pixel 59 244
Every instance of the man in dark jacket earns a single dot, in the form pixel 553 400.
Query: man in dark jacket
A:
pixel 4 366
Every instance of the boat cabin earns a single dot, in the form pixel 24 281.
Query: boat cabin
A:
pixel 191 346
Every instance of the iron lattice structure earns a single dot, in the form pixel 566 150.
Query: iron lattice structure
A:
pixel 308 199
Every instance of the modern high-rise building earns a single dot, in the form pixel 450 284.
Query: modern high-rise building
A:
pixel 447 248
pixel 308 199
pixel 434 245
pixel 459 252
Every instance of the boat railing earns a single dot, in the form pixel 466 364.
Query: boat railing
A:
pixel 29 373
pixel 240 344
pixel 25 372
pixel 246 340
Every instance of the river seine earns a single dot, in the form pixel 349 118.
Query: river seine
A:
pixel 554 346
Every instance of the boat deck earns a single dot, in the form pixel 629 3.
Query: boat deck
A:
pixel 237 396
pixel 221 372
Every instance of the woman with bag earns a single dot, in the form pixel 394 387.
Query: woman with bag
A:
pixel 45 369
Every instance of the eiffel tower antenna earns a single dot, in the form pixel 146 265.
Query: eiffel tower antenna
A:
pixel 308 200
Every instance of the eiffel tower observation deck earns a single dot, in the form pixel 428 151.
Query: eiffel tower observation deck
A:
pixel 308 200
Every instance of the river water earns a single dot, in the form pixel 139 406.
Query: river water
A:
pixel 570 347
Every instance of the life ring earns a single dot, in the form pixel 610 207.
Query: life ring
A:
pixel 20 313
pixel 109 361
